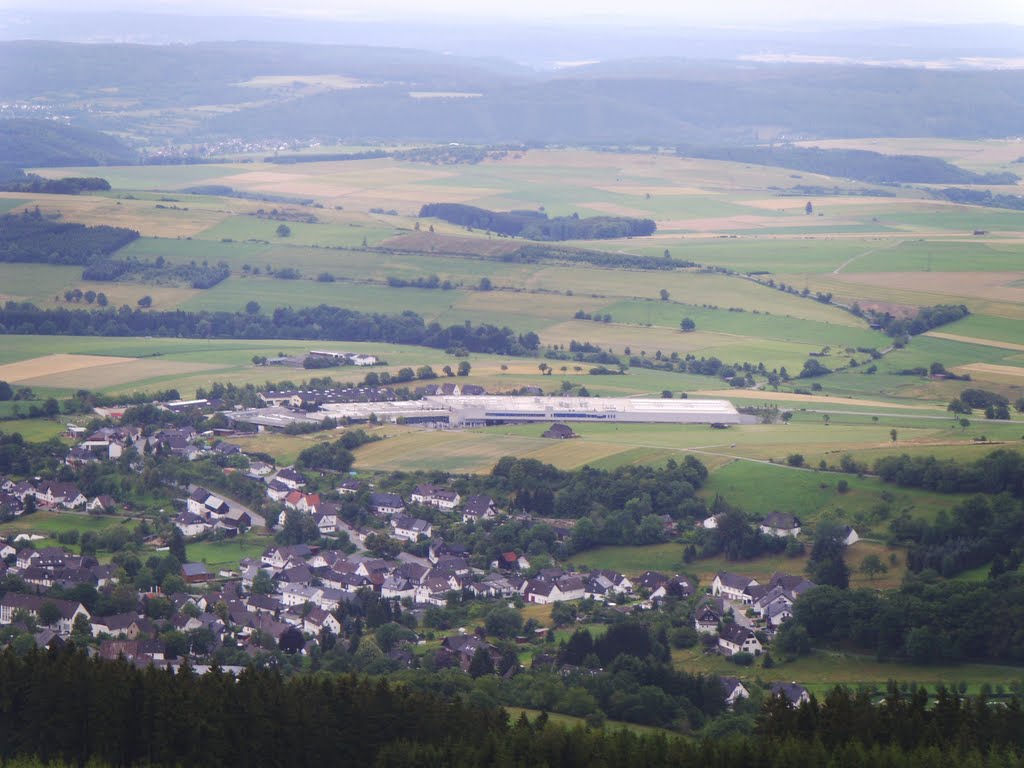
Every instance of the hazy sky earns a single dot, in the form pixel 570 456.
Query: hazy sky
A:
pixel 700 12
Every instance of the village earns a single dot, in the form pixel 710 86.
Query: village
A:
pixel 301 597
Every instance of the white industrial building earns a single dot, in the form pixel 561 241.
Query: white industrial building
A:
pixel 481 410
pixel 490 409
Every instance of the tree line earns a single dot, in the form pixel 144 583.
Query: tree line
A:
pixel 536 225
pixel 34 183
pixel 321 323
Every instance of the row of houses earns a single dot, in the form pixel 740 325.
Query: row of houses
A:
pixel 49 494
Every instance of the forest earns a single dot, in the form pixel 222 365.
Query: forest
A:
pixel 536 225
pixel 64 708
pixel 31 237
pixel 927 621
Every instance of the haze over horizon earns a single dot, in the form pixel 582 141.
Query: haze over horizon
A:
pixel 743 14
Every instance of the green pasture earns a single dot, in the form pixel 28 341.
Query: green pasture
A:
pixel 51 524
pixel 33 430
pixel 184 250
pixel 942 256
pixel 747 323
pixel 822 670
pixel 37 283
pixel 245 228
pixel 812 495
pixel 987 327
pixel 227 553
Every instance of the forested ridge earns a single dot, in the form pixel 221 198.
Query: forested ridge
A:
pixel 858 164
pixel 61 707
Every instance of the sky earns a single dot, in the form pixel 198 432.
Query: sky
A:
pixel 740 13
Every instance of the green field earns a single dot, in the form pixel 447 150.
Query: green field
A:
pixel 822 670
pixel 227 553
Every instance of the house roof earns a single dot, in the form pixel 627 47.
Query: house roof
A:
pixel 783 521
pixel 195 569
pixel 792 691
pixel 736 633
pixel 734 580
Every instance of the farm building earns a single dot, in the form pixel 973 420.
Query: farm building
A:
pixel 493 409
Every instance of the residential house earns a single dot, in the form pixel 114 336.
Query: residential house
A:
pixel 733 690
pixel 410 528
pixel 277 490
pixel 732 586
pixel 101 504
pixel 735 638
pixel 327 518
pixel 479 508
pixel 677 586
pixel 850 536
pixel 465 647
pixel 195 573
pixel 128 625
pixel 793 693
pixel 191 525
pixel 442 498
pixel 706 619
pixel 203 503
pixel 651 580
pixel 440 548
pixel 397 587
pixel 780 524
pixel 318 620
pixel 65 495
pixel 68 610
pixel 289 477
pixel 350 486
pixel 387 503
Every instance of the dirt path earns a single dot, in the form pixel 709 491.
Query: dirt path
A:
pixel 976 340
pixel 852 259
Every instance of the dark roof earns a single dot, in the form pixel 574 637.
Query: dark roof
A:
pixel 392 500
pixel 734 580
pixel 195 569
pixel 736 633
pixel 781 520
pixel 792 691
pixel 559 430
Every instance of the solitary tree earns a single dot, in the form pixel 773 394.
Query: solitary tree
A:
pixel 808 209
pixel 145 302
pixel 893 434
pixel 283 230
pixel 664 294
pixel 872 565
pixel 687 325
pixel 464 368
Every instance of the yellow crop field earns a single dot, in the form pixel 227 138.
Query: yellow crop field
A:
pixel 56 365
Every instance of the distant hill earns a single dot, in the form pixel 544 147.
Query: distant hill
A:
pixel 273 91
pixel 45 143
pixel 857 164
